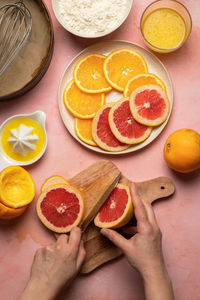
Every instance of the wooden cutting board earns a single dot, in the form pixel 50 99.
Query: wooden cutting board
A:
pixel 96 183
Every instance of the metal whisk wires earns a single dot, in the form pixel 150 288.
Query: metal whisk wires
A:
pixel 15 27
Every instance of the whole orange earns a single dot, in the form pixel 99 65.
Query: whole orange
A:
pixel 182 150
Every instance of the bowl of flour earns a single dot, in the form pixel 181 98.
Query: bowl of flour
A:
pixel 91 18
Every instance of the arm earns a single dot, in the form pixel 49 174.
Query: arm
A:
pixel 54 267
pixel 144 250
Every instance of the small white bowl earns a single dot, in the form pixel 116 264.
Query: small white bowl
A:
pixel 40 118
pixel 62 21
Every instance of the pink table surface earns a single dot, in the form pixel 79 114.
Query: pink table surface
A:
pixel 178 216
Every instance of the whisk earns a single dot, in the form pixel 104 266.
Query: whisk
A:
pixel 15 27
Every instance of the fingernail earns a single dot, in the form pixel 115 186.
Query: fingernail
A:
pixel 103 230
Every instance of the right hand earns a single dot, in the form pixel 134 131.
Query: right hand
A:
pixel 144 249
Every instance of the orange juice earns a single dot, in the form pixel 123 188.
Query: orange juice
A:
pixel 164 28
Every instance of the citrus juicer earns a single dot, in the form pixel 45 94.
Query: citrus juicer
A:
pixel 22 139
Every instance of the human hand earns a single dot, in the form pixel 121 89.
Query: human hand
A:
pixel 55 266
pixel 144 249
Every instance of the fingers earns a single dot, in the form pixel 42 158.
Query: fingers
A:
pixel 139 208
pixel 62 239
pixel 81 255
pixel 150 213
pixel 143 212
pixel 115 238
pixel 75 239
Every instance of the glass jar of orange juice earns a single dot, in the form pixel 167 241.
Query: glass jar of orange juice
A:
pixel 165 25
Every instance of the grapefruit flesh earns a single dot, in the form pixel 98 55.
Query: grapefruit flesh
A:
pixel 60 208
pixel 124 126
pixel 117 210
pixel 149 105
pixel 102 133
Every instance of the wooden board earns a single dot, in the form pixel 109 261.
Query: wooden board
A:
pixel 32 61
pixel 95 183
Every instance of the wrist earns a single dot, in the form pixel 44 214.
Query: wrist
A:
pixel 156 271
pixel 36 289
pixel 156 275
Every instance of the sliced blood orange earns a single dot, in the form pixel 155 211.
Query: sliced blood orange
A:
pixel 123 125
pixel 121 65
pixel 52 180
pixel 60 207
pixel 140 80
pixel 117 210
pixel 102 133
pixel 89 76
pixel 149 105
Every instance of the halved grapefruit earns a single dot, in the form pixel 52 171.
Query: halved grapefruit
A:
pixel 60 207
pixel 52 180
pixel 102 133
pixel 149 105
pixel 123 125
pixel 117 210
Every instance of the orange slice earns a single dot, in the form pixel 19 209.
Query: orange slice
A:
pixel 142 79
pixel 60 208
pixel 17 187
pixel 80 104
pixel 121 65
pixel 117 210
pixel 89 75
pixel 52 180
pixel 83 129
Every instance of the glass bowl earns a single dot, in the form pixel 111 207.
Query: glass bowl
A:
pixel 177 7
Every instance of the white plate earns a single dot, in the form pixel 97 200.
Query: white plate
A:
pixel 155 66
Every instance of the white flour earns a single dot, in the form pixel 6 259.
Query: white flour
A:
pixel 92 16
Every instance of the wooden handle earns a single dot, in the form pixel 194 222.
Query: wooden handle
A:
pixel 153 189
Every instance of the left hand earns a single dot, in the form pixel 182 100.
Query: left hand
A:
pixel 56 265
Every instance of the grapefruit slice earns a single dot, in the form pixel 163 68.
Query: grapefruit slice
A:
pixel 60 207
pixel 102 133
pixel 123 125
pixel 52 180
pixel 149 105
pixel 117 210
